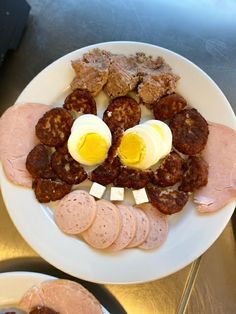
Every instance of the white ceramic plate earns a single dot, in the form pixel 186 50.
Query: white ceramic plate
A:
pixel 190 234
pixel 13 285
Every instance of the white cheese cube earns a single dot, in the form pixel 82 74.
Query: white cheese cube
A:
pixel 117 194
pixel 97 190
pixel 140 196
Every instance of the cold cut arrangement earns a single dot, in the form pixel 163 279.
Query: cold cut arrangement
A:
pixel 164 161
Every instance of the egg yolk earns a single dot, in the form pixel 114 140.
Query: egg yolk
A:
pixel 93 148
pixel 132 149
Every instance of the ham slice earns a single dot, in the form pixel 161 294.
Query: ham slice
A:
pixel 106 226
pixel 158 227
pixel 220 154
pixel 76 212
pixel 17 139
pixel 127 231
pixel 62 296
pixel 142 227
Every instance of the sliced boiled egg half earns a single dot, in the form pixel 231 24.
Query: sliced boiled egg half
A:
pixel 90 140
pixel 164 132
pixel 143 145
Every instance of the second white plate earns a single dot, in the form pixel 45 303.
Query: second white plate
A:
pixel 13 285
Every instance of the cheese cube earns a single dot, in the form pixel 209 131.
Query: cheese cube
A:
pixel 140 196
pixel 97 190
pixel 117 194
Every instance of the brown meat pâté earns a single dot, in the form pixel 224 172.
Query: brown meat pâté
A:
pixel 91 71
pixel 53 129
pixel 190 131
pixel 167 201
pixel 158 84
pixel 123 112
pixel 122 77
pixel 147 65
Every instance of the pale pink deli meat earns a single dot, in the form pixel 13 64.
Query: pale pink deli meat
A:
pixel 106 226
pixel 17 139
pixel 128 229
pixel 220 154
pixel 142 229
pixel 62 296
pixel 76 212
pixel 158 227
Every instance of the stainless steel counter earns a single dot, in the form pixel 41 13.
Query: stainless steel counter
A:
pixel 204 32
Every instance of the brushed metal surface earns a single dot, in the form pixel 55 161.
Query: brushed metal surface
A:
pixel 214 291
pixel 160 296
pixel 189 285
pixel 204 32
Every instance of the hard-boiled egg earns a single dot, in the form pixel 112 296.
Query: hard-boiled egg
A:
pixel 164 131
pixel 145 144
pixel 90 140
pixel 139 147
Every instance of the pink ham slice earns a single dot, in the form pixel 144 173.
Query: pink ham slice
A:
pixel 128 229
pixel 158 227
pixel 220 154
pixel 76 212
pixel 62 296
pixel 143 227
pixel 17 139
pixel 106 226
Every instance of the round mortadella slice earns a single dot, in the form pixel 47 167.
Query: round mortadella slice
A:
pixel 62 296
pixel 143 227
pixel 220 154
pixel 158 227
pixel 75 212
pixel 17 139
pixel 106 226
pixel 128 229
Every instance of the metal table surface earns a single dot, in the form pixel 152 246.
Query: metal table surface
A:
pixel 204 32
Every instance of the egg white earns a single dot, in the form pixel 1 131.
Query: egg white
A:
pixel 90 120
pixel 83 125
pixel 149 138
pixel 164 132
